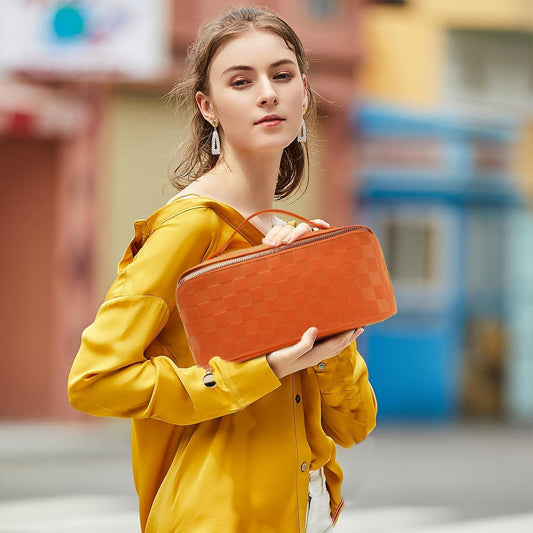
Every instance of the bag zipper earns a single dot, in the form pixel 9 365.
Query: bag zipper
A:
pixel 236 260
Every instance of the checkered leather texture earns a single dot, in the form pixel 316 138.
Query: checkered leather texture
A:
pixel 251 308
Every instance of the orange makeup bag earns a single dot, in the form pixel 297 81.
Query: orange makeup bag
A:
pixel 253 301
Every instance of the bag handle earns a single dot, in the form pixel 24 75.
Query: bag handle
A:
pixel 226 244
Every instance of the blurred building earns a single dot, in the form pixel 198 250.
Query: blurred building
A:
pixel 60 64
pixel 48 173
pixel 444 128
pixel 437 191
pixel 85 144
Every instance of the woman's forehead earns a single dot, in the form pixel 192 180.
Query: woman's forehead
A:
pixel 253 48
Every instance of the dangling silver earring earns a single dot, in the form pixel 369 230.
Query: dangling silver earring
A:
pixel 215 139
pixel 302 134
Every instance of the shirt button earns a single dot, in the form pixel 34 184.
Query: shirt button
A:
pixel 209 380
pixel 322 365
pixel 303 467
pixel 297 398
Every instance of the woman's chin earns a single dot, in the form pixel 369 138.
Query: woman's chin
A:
pixel 278 144
pixel 261 148
pixel 273 144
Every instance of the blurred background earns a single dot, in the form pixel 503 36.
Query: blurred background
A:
pixel 425 134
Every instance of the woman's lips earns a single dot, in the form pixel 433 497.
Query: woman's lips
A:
pixel 270 123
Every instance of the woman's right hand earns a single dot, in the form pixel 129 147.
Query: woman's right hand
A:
pixel 306 353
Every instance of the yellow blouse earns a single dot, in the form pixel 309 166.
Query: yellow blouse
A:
pixel 233 458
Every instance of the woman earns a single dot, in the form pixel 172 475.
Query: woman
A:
pixel 255 452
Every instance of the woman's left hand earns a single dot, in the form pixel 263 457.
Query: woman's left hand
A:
pixel 279 235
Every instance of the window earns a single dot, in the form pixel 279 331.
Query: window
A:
pixel 411 249
pixel 490 67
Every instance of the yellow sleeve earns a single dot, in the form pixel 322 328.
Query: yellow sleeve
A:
pixel 349 405
pixel 113 376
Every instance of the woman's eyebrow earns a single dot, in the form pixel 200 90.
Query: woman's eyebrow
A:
pixel 247 67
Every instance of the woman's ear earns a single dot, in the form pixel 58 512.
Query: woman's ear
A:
pixel 306 89
pixel 205 106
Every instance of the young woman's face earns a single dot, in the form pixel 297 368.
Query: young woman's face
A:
pixel 252 76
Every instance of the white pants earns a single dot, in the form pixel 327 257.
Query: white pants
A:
pixel 318 513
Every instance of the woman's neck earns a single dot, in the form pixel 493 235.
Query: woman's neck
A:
pixel 249 180
pixel 245 182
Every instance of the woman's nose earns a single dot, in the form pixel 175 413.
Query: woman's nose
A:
pixel 267 94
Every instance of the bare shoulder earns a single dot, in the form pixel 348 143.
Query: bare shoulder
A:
pixel 202 186
pixel 188 191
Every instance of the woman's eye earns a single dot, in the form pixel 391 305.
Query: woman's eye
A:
pixel 239 83
pixel 280 76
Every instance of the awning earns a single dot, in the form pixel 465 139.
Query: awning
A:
pixel 36 111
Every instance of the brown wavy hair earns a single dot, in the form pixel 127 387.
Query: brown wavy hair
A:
pixel 197 158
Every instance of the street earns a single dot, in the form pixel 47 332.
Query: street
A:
pixel 403 479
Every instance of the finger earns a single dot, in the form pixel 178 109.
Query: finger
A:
pixel 346 335
pixel 306 343
pixel 284 361
pixel 347 338
pixel 309 337
pixel 272 234
pixel 337 343
pixel 281 235
pixel 358 331
pixel 321 223
pixel 298 231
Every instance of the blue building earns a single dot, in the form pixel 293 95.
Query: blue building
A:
pixel 437 191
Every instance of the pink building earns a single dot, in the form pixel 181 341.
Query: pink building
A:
pixel 50 132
